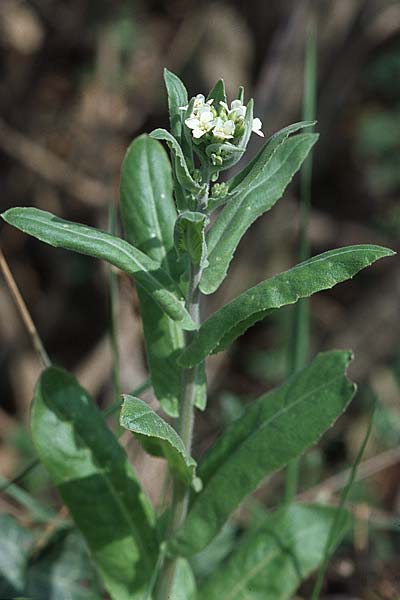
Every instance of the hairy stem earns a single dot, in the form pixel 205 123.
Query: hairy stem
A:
pixel 180 494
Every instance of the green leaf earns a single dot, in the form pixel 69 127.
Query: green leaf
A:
pixel 148 216
pixel 262 441
pixel 243 180
pixel 218 93
pixel 271 561
pixel 321 272
pixel 184 587
pixel 177 98
pixel 86 240
pixel 62 571
pixel 16 542
pixel 182 172
pixel 237 216
pixel 157 437
pixel 93 475
pixel 189 236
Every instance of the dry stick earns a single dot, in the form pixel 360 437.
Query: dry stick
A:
pixel 24 312
pixel 367 468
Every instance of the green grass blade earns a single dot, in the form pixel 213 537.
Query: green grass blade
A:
pixel 340 511
pixel 299 338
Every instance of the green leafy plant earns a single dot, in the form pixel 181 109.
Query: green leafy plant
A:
pixel 176 254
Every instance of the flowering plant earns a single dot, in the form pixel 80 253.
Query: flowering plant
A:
pixel 177 257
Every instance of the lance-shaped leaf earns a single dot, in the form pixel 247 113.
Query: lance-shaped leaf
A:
pixel 254 169
pixel 321 272
pixel 189 236
pixel 93 475
pixel 157 437
pixel 237 216
pixel 86 240
pixel 263 440
pixel 148 215
pixel 218 93
pixel 182 172
pixel 184 587
pixel 177 100
pixel 16 543
pixel 241 183
pixel 273 559
pixel 63 570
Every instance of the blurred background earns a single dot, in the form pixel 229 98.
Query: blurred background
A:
pixel 80 79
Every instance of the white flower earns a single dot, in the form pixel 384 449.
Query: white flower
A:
pixel 256 127
pixel 223 122
pixel 199 103
pixel 236 111
pixel 223 130
pixel 201 121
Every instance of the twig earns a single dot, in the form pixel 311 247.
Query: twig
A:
pixel 23 311
pixel 23 473
pixel 367 468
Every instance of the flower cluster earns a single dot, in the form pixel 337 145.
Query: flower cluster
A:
pixel 218 123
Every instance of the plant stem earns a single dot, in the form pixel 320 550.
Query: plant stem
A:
pixel 300 329
pixel 180 492
pixel 113 295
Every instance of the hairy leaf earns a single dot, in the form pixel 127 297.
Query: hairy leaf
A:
pixel 177 99
pixel 218 93
pixel 182 172
pixel 148 216
pixel 254 169
pixel 63 570
pixel 94 477
pixel 239 213
pixel 184 587
pixel 16 542
pixel 189 236
pixel 321 272
pixel 262 441
pixel 86 240
pixel 60 571
pixel 157 437
pixel 272 560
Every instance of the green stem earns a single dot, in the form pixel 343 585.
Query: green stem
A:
pixel 113 294
pixel 300 330
pixel 180 492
